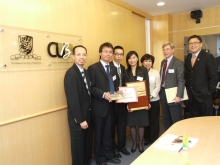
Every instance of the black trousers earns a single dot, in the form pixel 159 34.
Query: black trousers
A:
pixel 120 122
pixel 151 132
pixel 103 127
pixel 81 144
pixel 204 108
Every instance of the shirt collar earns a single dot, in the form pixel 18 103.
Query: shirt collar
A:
pixel 80 69
pixel 169 59
pixel 116 64
pixel 196 54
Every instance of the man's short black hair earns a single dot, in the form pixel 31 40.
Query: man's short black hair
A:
pixel 78 46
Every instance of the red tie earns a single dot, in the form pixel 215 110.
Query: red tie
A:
pixel 164 70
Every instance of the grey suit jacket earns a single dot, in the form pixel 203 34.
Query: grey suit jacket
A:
pixel 174 75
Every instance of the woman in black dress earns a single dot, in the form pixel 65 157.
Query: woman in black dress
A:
pixel 138 118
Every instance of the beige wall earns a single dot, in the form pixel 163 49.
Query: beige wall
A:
pixel 177 26
pixel 33 121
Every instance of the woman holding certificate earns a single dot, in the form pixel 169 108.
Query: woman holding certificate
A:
pixel 152 132
pixel 137 117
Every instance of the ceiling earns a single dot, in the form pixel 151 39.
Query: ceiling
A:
pixel 172 6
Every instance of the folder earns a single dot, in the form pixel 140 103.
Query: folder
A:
pixel 171 94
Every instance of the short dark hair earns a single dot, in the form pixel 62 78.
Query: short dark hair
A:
pixel 195 36
pixel 106 44
pixel 118 47
pixel 129 55
pixel 147 57
pixel 78 46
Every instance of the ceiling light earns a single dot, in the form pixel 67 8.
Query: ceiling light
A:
pixel 160 3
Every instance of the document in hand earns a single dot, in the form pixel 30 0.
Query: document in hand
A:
pixel 171 94
pixel 174 142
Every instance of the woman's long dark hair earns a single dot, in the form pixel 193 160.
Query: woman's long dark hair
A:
pixel 129 55
pixel 128 65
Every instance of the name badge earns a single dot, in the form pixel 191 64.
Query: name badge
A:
pixel 152 78
pixel 114 78
pixel 139 78
pixel 170 70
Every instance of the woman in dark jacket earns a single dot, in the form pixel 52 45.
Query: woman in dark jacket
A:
pixel 137 118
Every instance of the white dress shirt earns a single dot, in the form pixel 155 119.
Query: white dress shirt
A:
pixel 154 82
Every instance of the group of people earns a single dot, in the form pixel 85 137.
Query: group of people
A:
pixel 91 112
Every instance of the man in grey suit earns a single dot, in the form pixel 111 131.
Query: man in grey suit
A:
pixel 172 75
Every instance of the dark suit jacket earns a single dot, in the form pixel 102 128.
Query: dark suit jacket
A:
pixel 78 98
pixel 100 85
pixel 202 78
pixel 175 79
pixel 140 72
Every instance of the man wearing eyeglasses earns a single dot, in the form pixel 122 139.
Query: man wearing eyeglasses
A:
pixel 201 77
pixel 120 117
pixel 103 82
pixel 77 90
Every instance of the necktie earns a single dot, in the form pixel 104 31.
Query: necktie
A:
pixel 193 60
pixel 119 75
pixel 111 84
pixel 164 72
pixel 84 78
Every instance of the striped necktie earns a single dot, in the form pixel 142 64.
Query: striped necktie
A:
pixel 119 74
pixel 84 78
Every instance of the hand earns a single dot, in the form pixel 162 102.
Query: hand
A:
pixel 84 125
pixel 177 99
pixel 121 92
pixel 149 106
pixel 107 96
pixel 129 109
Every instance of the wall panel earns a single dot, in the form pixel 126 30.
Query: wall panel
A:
pixel 36 135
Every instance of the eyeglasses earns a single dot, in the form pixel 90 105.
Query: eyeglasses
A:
pixel 118 54
pixel 165 50
pixel 193 43
pixel 107 52
pixel 81 55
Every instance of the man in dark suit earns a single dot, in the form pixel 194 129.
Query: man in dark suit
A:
pixel 202 78
pixel 120 117
pixel 172 75
pixel 103 82
pixel 77 89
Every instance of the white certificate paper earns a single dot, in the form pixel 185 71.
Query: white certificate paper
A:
pixel 129 93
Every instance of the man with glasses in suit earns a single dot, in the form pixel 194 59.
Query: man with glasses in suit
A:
pixel 120 117
pixel 103 82
pixel 77 89
pixel 201 77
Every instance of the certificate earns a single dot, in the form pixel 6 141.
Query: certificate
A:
pixel 116 96
pixel 143 98
pixel 129 93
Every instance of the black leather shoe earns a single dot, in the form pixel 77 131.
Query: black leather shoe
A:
pixel 134 149
pixel 124 151
pixel 141 151
pixel 114 161
pixel 117 154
